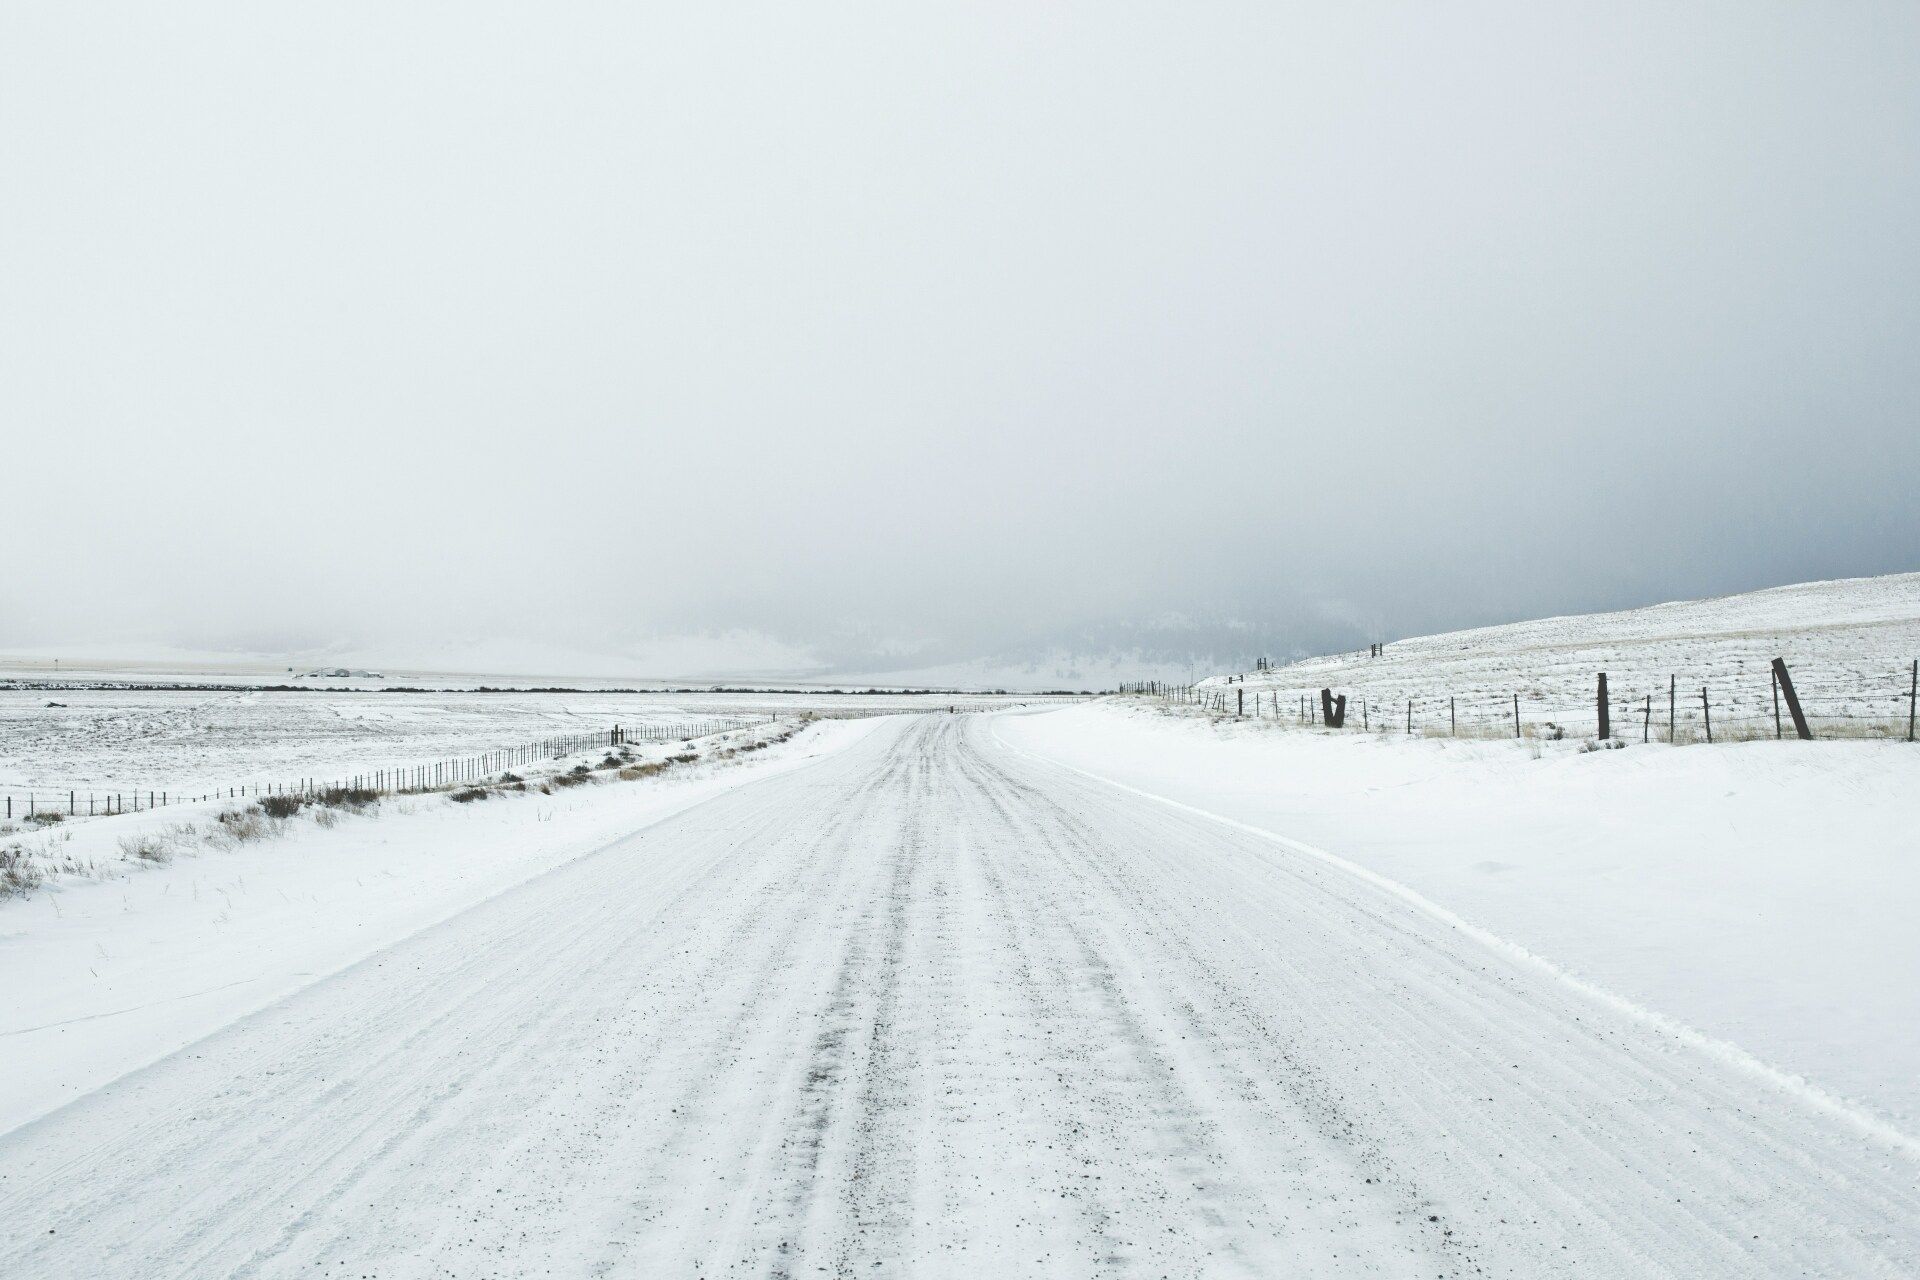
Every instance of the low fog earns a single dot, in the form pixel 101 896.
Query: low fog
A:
pixel 871 338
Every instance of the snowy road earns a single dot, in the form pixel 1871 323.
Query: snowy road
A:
pixel 930 1007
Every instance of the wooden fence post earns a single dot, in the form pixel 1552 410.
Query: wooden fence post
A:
pixel 1606 722
pixel 1516 715
pixel 1913 697
pixel 1673 684
pixel 1785 682
pixel 1646 725
pixel 1706 713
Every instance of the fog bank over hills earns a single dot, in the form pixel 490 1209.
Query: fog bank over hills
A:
pixel 1173 648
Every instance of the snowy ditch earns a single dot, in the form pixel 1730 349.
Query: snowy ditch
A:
pixel 44 843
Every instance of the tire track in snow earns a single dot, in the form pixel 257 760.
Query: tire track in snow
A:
pixel 1593 1083
pixel 1224 1189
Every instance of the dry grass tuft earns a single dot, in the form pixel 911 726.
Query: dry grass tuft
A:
pixel 239 826
pixel 347 798
pixel 18 874
pixel 160 847
pixel 634 772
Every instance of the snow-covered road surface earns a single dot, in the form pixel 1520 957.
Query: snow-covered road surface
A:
pixel 931 1007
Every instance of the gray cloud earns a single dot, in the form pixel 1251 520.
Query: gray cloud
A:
pixel 896 336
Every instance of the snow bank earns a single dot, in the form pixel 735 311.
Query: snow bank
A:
pixel 105 976
pixel 1763 894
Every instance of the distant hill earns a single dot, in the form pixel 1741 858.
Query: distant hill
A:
pixel 1849 643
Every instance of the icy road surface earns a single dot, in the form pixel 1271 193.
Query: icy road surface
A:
pixel 930 1007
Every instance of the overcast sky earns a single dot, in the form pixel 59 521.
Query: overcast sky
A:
pixel 873 336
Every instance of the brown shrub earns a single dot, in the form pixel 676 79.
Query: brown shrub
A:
pixel 346 797
pixel 281 806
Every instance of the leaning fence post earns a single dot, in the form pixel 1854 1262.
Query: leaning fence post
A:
pixel 1606 723
pixel 1785 682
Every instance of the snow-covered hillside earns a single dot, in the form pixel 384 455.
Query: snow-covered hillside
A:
pixel 1849 644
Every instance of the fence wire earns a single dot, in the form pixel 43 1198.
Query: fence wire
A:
pixel 82 801
pixel 1741 707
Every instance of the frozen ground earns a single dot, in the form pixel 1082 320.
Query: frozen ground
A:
pixel 1764 893
pixel 933 1006
pixel 1850 645
pixel 188 741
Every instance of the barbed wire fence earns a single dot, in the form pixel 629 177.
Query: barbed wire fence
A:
pixel 1776 703
pixel 81 801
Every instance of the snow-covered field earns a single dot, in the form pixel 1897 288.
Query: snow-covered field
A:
pixel 1764 894
pixel 1849 645
pixel 186 741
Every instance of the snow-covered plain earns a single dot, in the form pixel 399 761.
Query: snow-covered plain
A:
pixel 1850 646
pixel 186 740
pixel 1763 893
